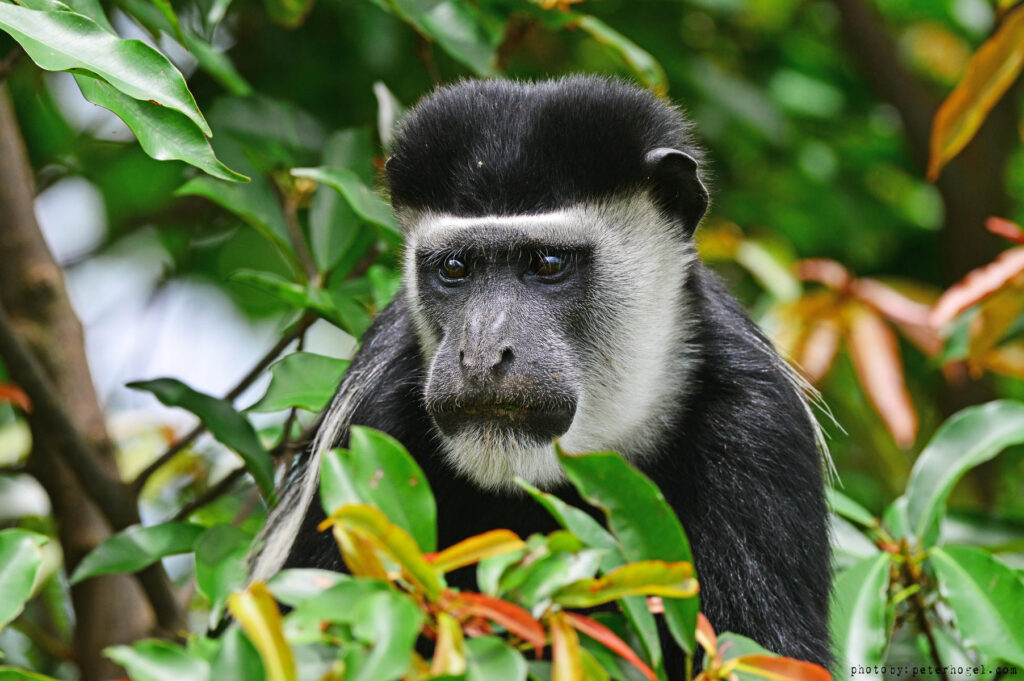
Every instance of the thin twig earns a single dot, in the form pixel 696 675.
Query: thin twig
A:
pixel 224 485
pixel 290 204
pixel 515 34
pixel 425 53
pixel 296 331
pixel 212 494
pixel 10 61
pixel 913 575
pixel 109 494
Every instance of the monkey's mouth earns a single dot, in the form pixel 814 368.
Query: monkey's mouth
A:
pixel 542 423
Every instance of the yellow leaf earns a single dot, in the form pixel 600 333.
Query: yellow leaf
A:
pixel 995 317
pixel 450 650
pixel 990 72
pixel 644 578
pixel 393 540
pixel 257 612
pixel 566 662
pixel 475 549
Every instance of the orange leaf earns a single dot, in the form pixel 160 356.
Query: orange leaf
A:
pixel 817 349
pixel 1006 229
pixel 475 549
pixel 977 285
pixel 876 358
pixel 609 640
pixel 781 668
pixel 824 271
pixel 566 664
pixel 509 615
pixel 990 72
pixel 706 636
pixel 16 396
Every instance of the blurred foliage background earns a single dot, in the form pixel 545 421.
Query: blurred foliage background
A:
pixel 817 116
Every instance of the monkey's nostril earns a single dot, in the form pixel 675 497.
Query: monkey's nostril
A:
pixel 462 356
pixel 507 356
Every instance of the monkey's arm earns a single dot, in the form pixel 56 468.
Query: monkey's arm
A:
pixel 746 478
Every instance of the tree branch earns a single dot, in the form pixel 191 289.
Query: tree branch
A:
pixel 297 330
pixel 72 455
pixel 10 61
pixel 108 493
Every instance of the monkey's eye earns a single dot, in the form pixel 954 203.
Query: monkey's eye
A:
pixel 547 265
pixel 453 269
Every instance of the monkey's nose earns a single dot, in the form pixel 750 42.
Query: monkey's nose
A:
pixel 482 364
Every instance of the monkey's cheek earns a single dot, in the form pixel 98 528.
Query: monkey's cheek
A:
pixel 533 426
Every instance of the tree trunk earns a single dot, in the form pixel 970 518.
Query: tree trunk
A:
pixel 108 610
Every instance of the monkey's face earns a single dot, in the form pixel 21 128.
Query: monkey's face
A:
pixel 560 325
pixel 505 309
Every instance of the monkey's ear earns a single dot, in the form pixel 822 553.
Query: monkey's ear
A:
pixel 677 186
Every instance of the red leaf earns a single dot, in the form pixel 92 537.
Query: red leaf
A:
pixel 824 271
pixel 977 285
pixel 509 615
pixel 16 396
pixel 609 640
pixel 892 304
pixel 1006 229
pixel 782 668
pixel 876 357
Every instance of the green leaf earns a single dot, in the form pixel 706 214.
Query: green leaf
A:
pixel 289 13
pixel 390 623
pixel 849 545
pixel 225 424
pixel 543 578
pixel 153 660
pixel 489 658
pixel 61 41
pixel 269 134
pixel 236 658
pixel 642 521
pixel 363 200
pixel 304 380
pixel 593 535
pixel 857 616
pixel 137 547
pixel 12 674
pixel 377 470
pixel 849 509
pixel 459 27
pixel 164 134
pixel 335 605
pixel 296 295
pixel 210 59
pixel 297 585
pixel 221 563
pixel 21 558
pixel 647 67
pixel 986 597
pixel 968 438
pixel 333 224
pixel 254 203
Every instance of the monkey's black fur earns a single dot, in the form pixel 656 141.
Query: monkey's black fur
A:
pixel 740 465
pixel 496 147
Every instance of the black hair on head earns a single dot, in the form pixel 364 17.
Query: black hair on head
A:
pixel 499 147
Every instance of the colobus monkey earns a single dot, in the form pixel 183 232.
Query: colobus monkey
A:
pixel 552 290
